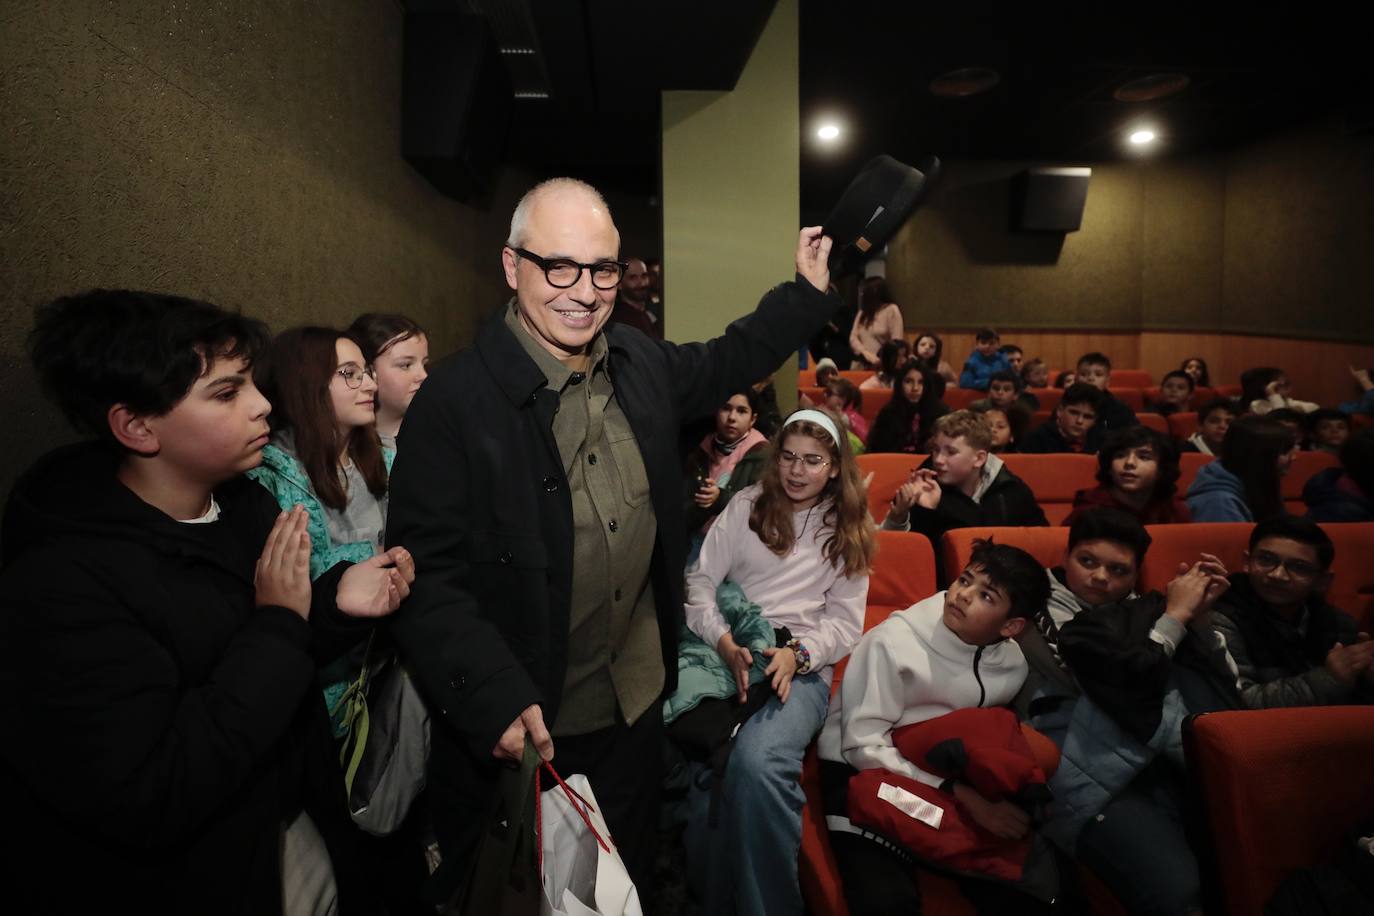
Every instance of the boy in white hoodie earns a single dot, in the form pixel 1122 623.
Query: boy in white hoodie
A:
pixel 954 650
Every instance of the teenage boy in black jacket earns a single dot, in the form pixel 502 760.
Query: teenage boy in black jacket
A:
pixel 1071 428
pixel 166 748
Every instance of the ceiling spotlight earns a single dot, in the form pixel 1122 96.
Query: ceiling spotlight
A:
pixel 829 132
pixel 1142 137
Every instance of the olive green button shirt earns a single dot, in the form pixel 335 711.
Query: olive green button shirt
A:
pixel 615 662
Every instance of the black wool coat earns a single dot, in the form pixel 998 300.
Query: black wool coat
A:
pixel 479 497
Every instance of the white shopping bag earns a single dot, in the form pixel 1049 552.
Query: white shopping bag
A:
pixel 583 873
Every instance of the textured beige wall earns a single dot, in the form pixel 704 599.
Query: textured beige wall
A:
pixel 1270 239
pixel 243 152
pixel 730 191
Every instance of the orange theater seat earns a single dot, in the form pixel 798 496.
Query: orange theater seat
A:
pixel 903 574
pixel 1227 391
pixel 875 399
pixel 1305 467
pixel 1154 421
pixel 1054 479
pixel 1131 397
pixel 1045 544
pixel 1183 424
pixel 1048 397
pixel 1352 579
pixel 817 395
pixel 857 376
pixel 1282 788
pixel 890 470
pixel 806 378
pixel 1189 463
pixel 1131 378
pixel 960 398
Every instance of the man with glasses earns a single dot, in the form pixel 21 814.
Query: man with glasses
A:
pixel 539 491
pixel 1291 647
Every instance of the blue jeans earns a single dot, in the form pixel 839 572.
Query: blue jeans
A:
pixel 747 863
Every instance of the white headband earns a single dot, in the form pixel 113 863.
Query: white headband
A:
pixel 820 419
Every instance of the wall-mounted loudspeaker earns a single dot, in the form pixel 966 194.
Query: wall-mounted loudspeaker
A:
pixel 1049 199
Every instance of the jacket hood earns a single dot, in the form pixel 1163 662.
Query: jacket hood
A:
pixel 72 492
pixel 1213 478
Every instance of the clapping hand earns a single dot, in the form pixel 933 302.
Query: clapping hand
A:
pixel 282 576
pixel 1193 592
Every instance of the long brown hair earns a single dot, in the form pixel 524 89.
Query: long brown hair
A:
pixel 852 542
pixel 296 380
pixel 873 295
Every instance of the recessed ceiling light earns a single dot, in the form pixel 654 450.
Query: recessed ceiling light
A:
pixel 1152 87
pixel 829 132
pixel 1142 137
pixel 966 81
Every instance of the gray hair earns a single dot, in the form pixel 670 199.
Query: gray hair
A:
pixel 521 217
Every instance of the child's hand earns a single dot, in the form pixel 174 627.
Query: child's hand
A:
pixel 377 586
pixel 282 576
pixel 1272 388
pixel 739 660
pixel 1347 663
pixel 1362 378
pixel 707 493
pixel 1001 818
pixel 781 668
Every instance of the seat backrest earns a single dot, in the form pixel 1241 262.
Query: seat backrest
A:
pixel 1154 421
pixel 1054 479
pixel 1189 463
pixel 857 376
pixel 806 378
pixel 1048 397
pixel 1131 397
pixel 1183 424
pixel 1045 544
pixel 1174 544
pixel 817 395
pixel 1132 378
pixel 1282 788
pixel 1227 391
pixel 890 470
pixel 903 574
pixel 1305 466
pixel 1352 579
pixel 1202 394
pixel 960 398
pixel 875 399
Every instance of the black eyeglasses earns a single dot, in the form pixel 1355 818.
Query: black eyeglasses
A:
pixel 353 376
pixel 564 273
pixel 1299 569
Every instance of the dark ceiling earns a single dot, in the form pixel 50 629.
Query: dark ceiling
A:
pixel 1251 72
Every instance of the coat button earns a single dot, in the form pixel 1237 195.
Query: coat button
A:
pixel 577 378
pixel 506 558
pixel 591 459
pixel 550 484
pixel 615 525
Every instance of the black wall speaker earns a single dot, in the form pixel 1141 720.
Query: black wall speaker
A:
pixel 1049 199
pixel 455 102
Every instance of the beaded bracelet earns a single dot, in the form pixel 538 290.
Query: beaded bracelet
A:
pixel 803 656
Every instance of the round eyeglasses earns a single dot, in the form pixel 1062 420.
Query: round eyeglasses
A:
pixel 564 273
pixel 353 376
pixel 811 462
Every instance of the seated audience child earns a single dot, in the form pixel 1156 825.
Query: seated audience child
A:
pixel 1004 391
pixel 800 545
pixel 929 349
pixel 1137 473
pixel 1070 427
pixel 1327 430
pixel 1243 484
pixel 844 398
pixel 1267 388
pixel 825 371
pixel 1005 428
pixel 1365 402
pixel 878 320
pixel 1175 393
pixel 1112 677
pixel 398 352
pixel 905 423
pixel 158 630
pixel 766 404
pixel 1291 647
pixel 1346 493
pixel 726 461
pixel 983 361
pixel 1096 370
pixel 1035 374
pixel 1064 379
pixel 961 485
pixel 954 650
pixel 1015 356
pixel 325 454
pixel 891 357
pixel 1213 420
pixel 1196 367
pixel 1295 420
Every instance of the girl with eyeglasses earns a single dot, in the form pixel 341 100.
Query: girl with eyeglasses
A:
pixel 799 545
pixel 325 454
